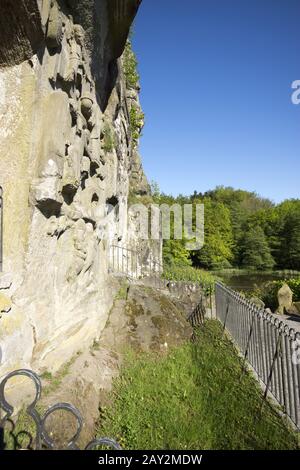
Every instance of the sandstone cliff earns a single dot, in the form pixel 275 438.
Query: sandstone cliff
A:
pixel 69 126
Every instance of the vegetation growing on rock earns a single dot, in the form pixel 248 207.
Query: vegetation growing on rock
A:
pixel 137 118
pixel 130 66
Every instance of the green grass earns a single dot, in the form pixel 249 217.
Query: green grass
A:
pixel 196 397
pixel 22 434
pixel 189 274
pixel 122 292
pixel 55 380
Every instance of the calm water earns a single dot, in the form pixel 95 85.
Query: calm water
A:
pixel 245 281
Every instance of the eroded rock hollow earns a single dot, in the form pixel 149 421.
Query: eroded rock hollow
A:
pixel 68 161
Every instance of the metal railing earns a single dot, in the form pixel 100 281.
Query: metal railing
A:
pixel 137 265
pixel 270 346
pixel 133 263
pixel 43 438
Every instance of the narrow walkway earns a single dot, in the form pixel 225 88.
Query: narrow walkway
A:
pixel 291 320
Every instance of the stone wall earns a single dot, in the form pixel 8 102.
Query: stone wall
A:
pixel 67 158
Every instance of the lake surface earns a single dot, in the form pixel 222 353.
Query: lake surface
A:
pixel 248 281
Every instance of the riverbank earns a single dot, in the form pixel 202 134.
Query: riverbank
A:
pixel 247 280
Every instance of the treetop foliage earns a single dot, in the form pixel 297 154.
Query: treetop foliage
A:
pixel 242 229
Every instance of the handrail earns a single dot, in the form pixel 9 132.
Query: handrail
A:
pixel 125 260
pixel 267 343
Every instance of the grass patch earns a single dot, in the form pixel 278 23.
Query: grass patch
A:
pixel 193 398
pixel 189 274
pixel 55 380
pixel 22 433
pixel 122 292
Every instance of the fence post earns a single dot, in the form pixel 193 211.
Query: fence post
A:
pixel 226 315
pixel 248 344
pixel 272 366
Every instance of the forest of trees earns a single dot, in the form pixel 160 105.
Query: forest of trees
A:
pixel 242 230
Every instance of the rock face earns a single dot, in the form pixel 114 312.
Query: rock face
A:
pixel 21 31
pixel 141 318
pixel 146 319
pixel 297 307
pixel 67 157
pixel 285 301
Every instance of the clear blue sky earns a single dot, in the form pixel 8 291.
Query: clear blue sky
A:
pixel 216 90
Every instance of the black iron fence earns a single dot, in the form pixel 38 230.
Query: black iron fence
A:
pixel 136 266
pixel 268 344
pixel 143 266
pixel 43 435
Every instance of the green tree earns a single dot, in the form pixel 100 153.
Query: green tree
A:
pixel 174 252
pixel 241 229
pixel 155 191
pixel 256 253
pixel 290 241
pixel 242 206
pixel 218 239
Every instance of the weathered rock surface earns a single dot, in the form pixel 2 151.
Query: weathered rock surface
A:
pixel 66 153
pixel 142 318
pixel 5 303
pixel 21 31
pixel 285 301
pixel 297 306
pixel 147 320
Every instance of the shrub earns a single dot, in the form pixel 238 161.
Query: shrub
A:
pixel 130 67
pixel 269 295
pixel 134 198
pixel 136 122
pixel 187 273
